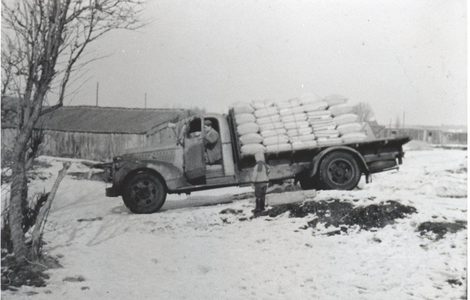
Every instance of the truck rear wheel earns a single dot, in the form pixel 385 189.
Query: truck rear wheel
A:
pixel 144 193
pixel 339 171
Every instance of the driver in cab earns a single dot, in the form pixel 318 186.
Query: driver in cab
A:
pixel 212 146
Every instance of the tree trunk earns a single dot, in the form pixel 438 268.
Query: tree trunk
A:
pixel 16 208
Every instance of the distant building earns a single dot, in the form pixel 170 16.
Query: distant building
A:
pixel 444 135
pixel 99 133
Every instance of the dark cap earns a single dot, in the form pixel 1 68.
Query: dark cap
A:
pixel 207 122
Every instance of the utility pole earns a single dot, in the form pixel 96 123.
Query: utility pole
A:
pixel 390 128
pixel 403 122
pixel 97 92
pixel 145 101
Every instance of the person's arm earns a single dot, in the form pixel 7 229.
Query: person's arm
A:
pixel 254 174
pixel 212 137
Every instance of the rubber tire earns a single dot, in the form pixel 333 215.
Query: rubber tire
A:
pixel 347 167
pixel 151 187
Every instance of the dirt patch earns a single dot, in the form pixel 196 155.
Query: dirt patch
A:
pixel 336 213
pixel 437 230
pixel 15 275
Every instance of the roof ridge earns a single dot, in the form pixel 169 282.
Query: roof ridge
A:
pixel 121 108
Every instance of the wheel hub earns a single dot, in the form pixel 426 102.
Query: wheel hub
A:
pixel 144 193
pixel 340 171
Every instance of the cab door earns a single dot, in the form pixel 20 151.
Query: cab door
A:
pixel 194 161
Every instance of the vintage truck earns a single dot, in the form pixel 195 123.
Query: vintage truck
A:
pixel 144 177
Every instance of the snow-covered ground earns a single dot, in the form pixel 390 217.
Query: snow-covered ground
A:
pixel 188 252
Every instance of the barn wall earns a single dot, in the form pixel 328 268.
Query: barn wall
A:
pixel 94 146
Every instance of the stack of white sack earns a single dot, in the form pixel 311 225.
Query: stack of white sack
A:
pixel 322 123
pixel 247 129
pixel 343 114
pixel 271 127
pixel 295 121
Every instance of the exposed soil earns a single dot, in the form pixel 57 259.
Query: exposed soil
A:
pixel 440 228
pixel 15 275
pixel 336 213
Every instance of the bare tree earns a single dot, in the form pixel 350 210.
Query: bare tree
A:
pixel 46 42
pixel 364 112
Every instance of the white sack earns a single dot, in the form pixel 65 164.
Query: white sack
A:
pixel 293 125
pixel 308 98
pixel 319 114
pixel 327 134
pixel 269 119
pixel 349 128
pixel 315 106
pixel 335 99
pixel 303 138
pixel 251 138
pixel 271 126
pixel 284 104
pixel 291 111
pixel 247 128
pixel 294 118
pixel 323 128
pixel 329 142
pixel 322 122
pixel 278 148
pixel 262 104
pixel 273 132
pixel 244 118
pixel 277 139
pixel 266 112
pixel 311 144
pixel 251 149
pixel 294 102
pixel 345 119
pixel 299 131
pixel 341 109
pixel 355 137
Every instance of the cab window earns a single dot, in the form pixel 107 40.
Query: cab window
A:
pixel 194 128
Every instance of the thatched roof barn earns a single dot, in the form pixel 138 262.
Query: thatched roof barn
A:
pixel 99 133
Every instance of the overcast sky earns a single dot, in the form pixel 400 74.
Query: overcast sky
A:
pixel 399 56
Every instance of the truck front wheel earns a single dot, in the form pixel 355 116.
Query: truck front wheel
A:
pixel 144 193
pixel 339 171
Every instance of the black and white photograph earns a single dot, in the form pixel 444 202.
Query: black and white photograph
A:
pixel 262 149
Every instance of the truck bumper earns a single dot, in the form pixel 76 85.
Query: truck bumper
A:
pixel 112 192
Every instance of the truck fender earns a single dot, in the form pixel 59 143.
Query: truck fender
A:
pixel 361 161
pixel 168 172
